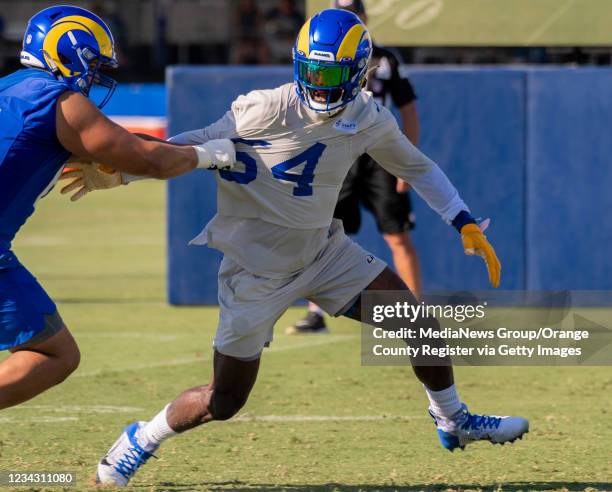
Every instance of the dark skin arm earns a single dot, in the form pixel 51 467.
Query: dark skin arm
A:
pixel 151 138
pixel 83 130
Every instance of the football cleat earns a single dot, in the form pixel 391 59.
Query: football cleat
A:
pixel 312 324
pixel 123 458
pixel 465 427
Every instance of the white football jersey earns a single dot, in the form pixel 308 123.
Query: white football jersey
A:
pixel 275 207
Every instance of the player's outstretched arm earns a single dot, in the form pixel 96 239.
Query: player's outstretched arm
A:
pixel 398 156
pixel 86 132
pixel 86 176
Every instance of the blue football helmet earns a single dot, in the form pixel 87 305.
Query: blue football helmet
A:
pixel 74 45
pixel 330 59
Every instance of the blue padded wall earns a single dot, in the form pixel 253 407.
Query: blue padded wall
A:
pixel 196 98
pixel 569 179
pixel 134 100
pixel 526 147
pixel 483 155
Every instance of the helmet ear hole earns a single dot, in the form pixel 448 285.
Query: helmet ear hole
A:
pixel 64 59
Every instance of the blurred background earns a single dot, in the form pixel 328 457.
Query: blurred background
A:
pixel 151 34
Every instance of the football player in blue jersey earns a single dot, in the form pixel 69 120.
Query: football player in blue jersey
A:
pixel 45 119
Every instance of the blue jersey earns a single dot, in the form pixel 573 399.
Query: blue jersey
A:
pixel 31 156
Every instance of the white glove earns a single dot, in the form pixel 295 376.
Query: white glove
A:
pixel 216 154
pixel 89 176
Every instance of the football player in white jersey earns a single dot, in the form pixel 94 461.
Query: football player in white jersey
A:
pixel 295 145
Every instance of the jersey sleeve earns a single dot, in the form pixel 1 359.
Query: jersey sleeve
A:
pixel 225 127
pixel 249 114
pixel 256 111
pixel 392 150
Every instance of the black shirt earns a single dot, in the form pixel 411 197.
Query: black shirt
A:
pixel 385 82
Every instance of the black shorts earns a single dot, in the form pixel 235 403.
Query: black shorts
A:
pixel 369 184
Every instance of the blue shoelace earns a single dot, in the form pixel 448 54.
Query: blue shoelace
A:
pixel 475 421
pixel 131 460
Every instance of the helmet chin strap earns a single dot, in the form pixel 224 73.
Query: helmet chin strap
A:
pixel 54 68
pixel 81 82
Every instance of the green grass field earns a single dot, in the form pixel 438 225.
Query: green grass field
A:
pixel 317 420
pixel 487 22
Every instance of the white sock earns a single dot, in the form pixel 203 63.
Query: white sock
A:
pixel 444 403
pixel 313 308
pixel 157 430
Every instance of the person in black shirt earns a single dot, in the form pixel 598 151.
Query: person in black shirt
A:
pixel 282 26
pixel 370 185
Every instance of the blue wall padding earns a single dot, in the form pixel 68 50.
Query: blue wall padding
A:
pixel 192 270
pixel 569 186
pixel 526 147
pixel 196 98
pixel 482 153
pixel 134 100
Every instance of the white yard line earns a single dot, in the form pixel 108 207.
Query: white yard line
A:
pixel 142 367
pixel 323 340
pixel 279 419
pixel 319 340
pixel 325 418
pixel 110 409
pixel 548 22
pixel 23 414
pixel 41 419
pixel 88 409
pixel 129 334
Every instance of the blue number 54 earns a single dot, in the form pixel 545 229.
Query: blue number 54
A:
pixel 304 180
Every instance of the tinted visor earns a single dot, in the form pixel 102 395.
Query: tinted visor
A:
pixel 320 74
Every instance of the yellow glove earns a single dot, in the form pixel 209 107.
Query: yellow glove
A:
pixel 475 243
pixel 89 176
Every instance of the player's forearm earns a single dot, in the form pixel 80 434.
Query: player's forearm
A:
pixel 83 130
pixel 130 178
pixel 168 161
pixel 146 158
pixel 149 159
